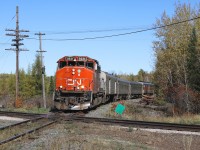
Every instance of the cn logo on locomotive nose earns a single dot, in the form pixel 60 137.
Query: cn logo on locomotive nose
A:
pixel 74 82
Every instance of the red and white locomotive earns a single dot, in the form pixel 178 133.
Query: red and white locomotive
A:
pixel 80 84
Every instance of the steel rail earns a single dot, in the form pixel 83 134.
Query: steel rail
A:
pixel 27 132
pixel 22 122
pixel 20 113
pixel 142 124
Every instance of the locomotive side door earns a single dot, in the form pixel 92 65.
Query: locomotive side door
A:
pixel 97 78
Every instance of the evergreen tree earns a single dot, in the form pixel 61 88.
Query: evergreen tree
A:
pixel 37 75
pixel 141 75
pixel 11 84
pixel 3 84
pixel 27 87
pixel 51 85
pixel 193 66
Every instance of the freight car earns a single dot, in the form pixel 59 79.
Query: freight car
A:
pixel 80 84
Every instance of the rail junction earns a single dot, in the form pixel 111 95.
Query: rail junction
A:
pixel 45 120
pixel 24 127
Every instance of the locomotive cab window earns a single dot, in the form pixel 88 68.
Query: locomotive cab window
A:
pixel 62 64
pixel 90 65
pixel 71 63
pixel 80 63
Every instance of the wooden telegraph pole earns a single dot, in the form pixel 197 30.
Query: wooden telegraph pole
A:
pixel 18 38
pixel 42 66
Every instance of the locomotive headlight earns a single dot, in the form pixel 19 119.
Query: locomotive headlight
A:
pixel 61 87
pixel 73 73
pixel 73 69
pixel 82 86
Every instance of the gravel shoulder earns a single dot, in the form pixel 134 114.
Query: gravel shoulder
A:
pixel 107 111
pixel 100 112
pixel 6 120
pixel 84 136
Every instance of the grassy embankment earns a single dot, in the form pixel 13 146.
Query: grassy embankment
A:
pixel 137 112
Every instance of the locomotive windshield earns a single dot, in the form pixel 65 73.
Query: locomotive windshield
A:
pixel 74 63
pixel 62 64
pixel 90 65
pixel 80 63
pixel 71 63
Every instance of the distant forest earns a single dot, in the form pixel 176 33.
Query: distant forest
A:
pixel 30 84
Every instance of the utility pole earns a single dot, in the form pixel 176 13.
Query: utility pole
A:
pixel 42 66
pixel 18 37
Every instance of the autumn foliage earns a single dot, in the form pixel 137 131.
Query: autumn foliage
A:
pixel 177 58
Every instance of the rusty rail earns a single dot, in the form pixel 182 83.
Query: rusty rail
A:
pixel 27 132
pixel 22 122
pixel 140 124
pixel 11 113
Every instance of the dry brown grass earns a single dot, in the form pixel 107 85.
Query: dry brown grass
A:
pixel 85 142
pixel 137 112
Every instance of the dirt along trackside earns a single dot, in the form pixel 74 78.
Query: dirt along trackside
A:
pixel 134 110
pixel 77 135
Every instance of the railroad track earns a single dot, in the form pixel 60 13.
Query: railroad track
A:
pixel 140 124
pixel 21 114
pixel 19 123
pixel 14 131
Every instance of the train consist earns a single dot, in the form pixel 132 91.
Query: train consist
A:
pixel 80 84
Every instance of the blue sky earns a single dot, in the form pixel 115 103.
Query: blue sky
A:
pixel 123 54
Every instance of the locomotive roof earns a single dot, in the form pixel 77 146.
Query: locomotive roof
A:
pixel 120 79
pixel 76 57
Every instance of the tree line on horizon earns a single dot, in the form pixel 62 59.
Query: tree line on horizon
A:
pixel 142 76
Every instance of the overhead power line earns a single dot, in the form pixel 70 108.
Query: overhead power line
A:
pixel 91 31
pixel 120 34
pixel 1 35
pixel 5 43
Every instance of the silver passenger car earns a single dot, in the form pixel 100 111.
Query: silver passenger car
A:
pixel 117 88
